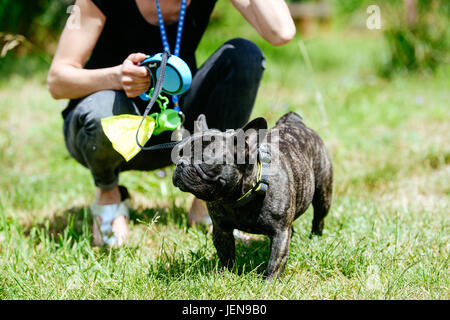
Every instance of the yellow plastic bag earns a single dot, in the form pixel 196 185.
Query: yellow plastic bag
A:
pixel 121 131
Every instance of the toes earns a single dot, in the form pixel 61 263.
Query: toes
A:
pixel 120 229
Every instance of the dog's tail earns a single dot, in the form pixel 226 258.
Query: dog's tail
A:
pixel 290 117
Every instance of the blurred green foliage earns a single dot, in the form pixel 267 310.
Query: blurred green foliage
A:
pixel 348 6
pixel 40 21
pixel 341 6
pixel 420 44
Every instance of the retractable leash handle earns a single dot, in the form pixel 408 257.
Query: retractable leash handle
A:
pixel 177 78
pixel 156 92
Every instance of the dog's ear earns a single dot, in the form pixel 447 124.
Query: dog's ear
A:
pixel 256 124
pixel 200 124
pixel 255 131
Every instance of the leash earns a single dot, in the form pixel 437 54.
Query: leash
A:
pixel 162 71
pixel 155 95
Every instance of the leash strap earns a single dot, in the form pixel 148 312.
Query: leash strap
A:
pixel 167 145
pixel 165 42
pixel 155 95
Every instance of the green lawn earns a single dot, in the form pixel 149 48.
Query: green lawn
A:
pixel 386 236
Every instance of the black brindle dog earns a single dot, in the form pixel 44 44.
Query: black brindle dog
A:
pixel 263 196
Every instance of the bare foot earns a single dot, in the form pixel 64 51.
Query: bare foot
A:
pixel 198 214
pixel 120 229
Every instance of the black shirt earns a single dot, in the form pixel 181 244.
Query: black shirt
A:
pixel 126 31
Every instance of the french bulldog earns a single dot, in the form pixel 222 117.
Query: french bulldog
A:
pixel 240 196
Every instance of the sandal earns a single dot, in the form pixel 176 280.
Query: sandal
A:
pixel 107 214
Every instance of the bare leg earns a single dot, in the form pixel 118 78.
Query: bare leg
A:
pixel 103 197
pixel 198 214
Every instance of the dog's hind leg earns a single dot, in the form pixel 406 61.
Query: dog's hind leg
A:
pixel 321 203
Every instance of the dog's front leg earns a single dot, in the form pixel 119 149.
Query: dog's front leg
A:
pixel 224 243
pixel 279 251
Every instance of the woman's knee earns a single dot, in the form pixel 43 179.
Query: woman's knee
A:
pixel 245 46
pixel 245 55
pixel 92 109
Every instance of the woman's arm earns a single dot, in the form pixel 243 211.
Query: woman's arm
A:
pixel 271 18
pixel 68 80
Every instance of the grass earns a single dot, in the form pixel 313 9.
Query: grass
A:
pixel 386 237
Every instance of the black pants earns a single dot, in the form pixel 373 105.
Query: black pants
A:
pixel 224 89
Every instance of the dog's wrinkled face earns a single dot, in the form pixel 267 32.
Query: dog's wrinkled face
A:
pixel 207 165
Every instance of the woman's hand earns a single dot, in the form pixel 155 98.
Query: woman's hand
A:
pixel 134 78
